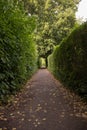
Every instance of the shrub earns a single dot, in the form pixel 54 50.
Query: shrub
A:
pixel 69 61
pixel 18 56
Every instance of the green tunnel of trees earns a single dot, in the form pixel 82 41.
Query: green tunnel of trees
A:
pixel 30 30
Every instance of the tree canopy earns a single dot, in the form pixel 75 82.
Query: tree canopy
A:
pixel 55 20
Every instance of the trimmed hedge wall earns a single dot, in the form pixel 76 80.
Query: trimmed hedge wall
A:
pixel 69 60
pixel 18 56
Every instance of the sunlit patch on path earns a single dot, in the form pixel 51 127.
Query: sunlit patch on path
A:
pixel 44 104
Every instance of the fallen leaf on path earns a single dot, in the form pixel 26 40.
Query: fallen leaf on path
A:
pixel 36 120
pixel 22 119
pixel 38 109
pixel 78 115
pixel 54 94
pixel 38 123
pixel 84 115
pixel 5 119
pixel 11 114
pixel 29 120
pixel 44 119
pixel 35 125
pixel 45 111
pixel 39 105
pixel 14 129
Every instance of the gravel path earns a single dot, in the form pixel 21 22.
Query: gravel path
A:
pixel 44 104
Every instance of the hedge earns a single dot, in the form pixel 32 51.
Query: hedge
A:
pixel 69 60
pixel 18 56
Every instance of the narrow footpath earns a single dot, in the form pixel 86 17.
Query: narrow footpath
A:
pixel 44 104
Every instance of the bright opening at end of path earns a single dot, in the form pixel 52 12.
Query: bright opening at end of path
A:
pixel 82 10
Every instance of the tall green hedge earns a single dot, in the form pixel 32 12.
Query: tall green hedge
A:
pixel 69 60
pixel 18 56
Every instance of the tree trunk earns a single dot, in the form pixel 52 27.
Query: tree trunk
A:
pixel 46 62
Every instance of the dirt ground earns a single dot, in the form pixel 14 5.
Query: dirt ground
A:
pixel 44 104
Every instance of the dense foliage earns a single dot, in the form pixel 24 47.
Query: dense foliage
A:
pixel 18 55
pixel 24 23
pixel 69 60
pixel 55 20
